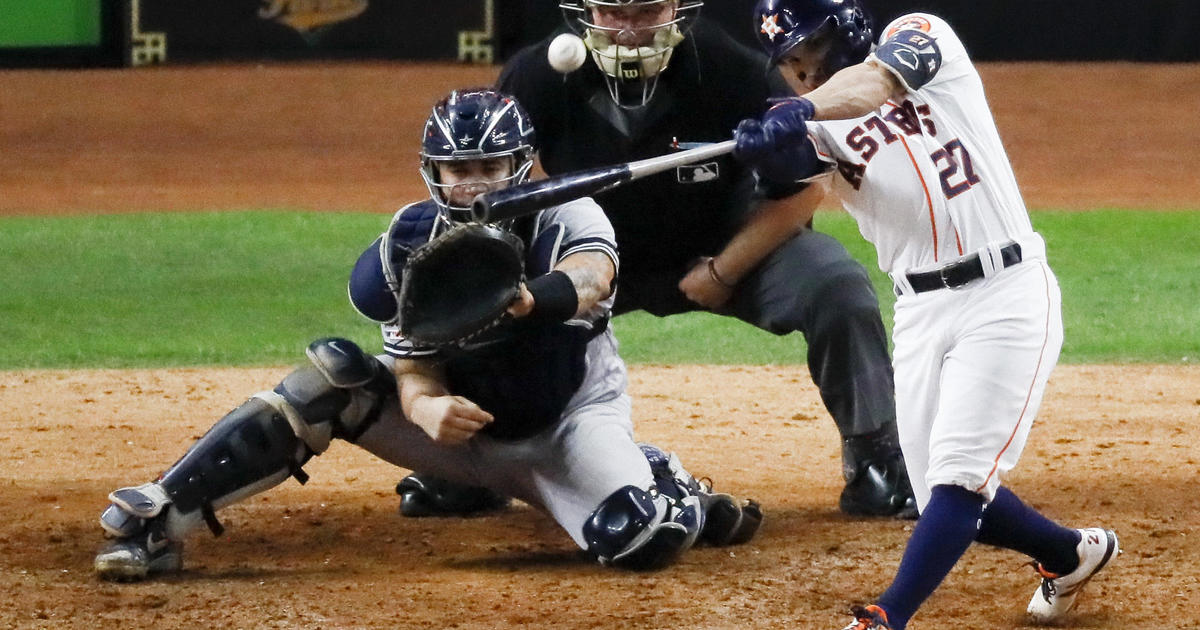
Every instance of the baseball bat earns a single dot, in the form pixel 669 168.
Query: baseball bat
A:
pixel 527 198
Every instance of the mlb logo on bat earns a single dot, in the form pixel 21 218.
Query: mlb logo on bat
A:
pixel 697 173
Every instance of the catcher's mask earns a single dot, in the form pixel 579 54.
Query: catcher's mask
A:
pixel 632 55
pixel 475 124
pixel 784 25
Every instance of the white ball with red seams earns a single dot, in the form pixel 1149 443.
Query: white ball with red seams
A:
pixel 566 53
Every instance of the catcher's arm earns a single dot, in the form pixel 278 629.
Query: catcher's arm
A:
pixel 426 402
pixel 591 275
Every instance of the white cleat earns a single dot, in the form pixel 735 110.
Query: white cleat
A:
pixel 134 559
pixel 1057 594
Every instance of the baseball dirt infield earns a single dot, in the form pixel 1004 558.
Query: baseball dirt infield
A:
pixel 1112 446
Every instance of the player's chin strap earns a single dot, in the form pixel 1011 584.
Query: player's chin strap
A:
pixel 262 442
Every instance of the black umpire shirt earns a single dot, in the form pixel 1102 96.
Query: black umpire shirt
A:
pixel 666 220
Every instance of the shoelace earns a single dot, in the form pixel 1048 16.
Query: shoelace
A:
pixel 1048 588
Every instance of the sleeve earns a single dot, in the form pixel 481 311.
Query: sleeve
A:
pixel 371 296
pixel 394 344
pixel 921 50
pixel 586 229
pixel 821 138
pixel 368 290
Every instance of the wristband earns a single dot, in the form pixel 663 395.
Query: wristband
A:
pixel 554 297
pixel 712 273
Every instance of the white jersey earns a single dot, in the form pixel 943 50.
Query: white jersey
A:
pixel 963 196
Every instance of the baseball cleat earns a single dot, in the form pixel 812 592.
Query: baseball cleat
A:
pixel 426 495
pixel 728 521
pixel 1058 594
pixel 868 618
pixel 877 481
pixel 134 559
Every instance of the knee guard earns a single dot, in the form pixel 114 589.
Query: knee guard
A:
pixel 641 530
pixel 259 444
pixel 647 529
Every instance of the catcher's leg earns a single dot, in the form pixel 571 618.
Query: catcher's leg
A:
pixel 253 448
pixel 643 529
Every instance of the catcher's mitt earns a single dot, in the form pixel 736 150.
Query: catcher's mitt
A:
pixel 459 284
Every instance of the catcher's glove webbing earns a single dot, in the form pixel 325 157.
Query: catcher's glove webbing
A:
pixel 459 284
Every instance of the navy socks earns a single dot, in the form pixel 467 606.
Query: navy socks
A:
pixel 948 525
pixel 1009 523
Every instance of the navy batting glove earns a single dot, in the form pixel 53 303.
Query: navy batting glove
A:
pixel 752 146
pixel 785 123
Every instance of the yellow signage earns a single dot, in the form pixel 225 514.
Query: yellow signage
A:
pixel 307 15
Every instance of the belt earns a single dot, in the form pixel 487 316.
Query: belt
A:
pixel 959 273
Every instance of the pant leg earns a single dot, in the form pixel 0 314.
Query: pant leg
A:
pixel 569 471
pixel 922 338
pixel 1010 334
pixel 811 284
pixel 397 441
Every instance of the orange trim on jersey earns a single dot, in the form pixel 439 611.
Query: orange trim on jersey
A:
pixel 928 198
pixel 1028 395
pixel 957 239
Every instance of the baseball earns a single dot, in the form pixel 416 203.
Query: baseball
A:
pixel 567 53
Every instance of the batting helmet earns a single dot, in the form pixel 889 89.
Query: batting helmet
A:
pixel 631 70
pixel 475 124
pixel 785 24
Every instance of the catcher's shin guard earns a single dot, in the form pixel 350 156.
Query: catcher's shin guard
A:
pixel 642 530
pixel 259 444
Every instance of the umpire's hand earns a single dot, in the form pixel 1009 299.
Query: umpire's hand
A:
pixel 704 287
pixel 448 419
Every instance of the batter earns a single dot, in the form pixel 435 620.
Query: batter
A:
pixel 902 133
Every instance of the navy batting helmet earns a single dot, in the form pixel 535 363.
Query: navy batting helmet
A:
pixel 475 124
pixel 785 24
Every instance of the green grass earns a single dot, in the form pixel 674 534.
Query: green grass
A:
pixel 253 288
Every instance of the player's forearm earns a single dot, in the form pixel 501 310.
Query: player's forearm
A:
pixel 772 224
pixel 853 92
pixel 415 380
pixel 592 274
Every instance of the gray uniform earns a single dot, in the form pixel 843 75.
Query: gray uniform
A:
pixel 569 468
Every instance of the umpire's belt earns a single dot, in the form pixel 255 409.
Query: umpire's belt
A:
pixel 959 273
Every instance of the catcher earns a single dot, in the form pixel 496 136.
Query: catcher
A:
pixel 489 378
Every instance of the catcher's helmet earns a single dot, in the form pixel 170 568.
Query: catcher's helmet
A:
pixel 784 24
pixel 630 71
pixel 475 124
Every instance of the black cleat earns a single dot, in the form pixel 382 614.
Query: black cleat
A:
pixel 877 481
pixel 425 495
pixel 728 521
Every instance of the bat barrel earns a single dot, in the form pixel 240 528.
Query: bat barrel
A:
pixel 530 197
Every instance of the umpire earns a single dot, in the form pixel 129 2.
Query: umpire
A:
pixel 708 236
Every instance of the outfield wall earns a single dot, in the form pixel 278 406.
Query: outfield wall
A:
pixel 142 32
